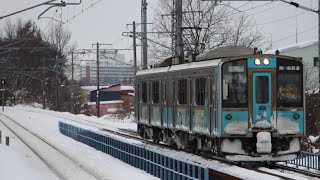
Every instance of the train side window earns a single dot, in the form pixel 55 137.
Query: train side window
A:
pixel 137 92
pixel 200 91
pixel 164 92
pixel 212 90
pixel 155 92
pixel 144 92
pixel 182 91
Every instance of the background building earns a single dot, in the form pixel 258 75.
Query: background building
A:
pixel 113 70
pixel 113 99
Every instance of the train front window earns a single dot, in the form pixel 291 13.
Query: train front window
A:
pixel 234 84
pixel 290 84
pixel 262 89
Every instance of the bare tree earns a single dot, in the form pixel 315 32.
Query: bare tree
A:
pixel 310 78
pixel 60 38
pixel 208 27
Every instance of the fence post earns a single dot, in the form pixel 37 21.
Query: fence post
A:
pixel 0 137
pixel 7 141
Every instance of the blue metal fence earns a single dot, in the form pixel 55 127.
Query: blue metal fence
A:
pixel 308 160
pixel 156 164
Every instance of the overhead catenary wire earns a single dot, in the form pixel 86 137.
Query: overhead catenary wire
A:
pixel 280 20
pixel 314 27
pixel 249 9
pixel 51 20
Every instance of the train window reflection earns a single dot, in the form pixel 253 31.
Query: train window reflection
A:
pixel 290 83
pixel 234 84
pixel 290 89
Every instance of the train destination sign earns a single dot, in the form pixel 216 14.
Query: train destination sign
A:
pixel 289 68
pixel 236 69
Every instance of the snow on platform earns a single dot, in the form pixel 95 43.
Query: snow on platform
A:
pixel 98 163
pixel 104 165
pixel 19 158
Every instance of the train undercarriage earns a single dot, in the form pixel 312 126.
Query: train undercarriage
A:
pixel 234 149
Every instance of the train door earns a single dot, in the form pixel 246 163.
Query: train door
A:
pixel 182 105
pixel 164 108
pixel 200 105
pixel 262 93
pixel 170 102
pixel 137 102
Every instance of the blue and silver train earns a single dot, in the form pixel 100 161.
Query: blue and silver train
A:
pixel 231 102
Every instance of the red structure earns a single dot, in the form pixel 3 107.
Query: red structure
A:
pixel 110 98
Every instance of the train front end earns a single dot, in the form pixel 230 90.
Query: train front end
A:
pixel 262 108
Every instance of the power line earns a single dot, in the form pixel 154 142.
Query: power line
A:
pixel 237 8
pixel 83 10
pixel 50 20
pixel 269 9
pixel 249 9
pixel 279 20
pixel 295 34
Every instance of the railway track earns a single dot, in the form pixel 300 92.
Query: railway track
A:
pixel 45 151
pixel 134 135
pixel 305 172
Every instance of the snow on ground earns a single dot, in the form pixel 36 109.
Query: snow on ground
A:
pixel 19 158
pixel 313 139
pixel 103 165
pixel 40 122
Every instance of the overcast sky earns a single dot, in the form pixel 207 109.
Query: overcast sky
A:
pixel 105 21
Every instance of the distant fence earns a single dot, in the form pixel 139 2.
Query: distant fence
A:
pixel 156 164
pixel 308 160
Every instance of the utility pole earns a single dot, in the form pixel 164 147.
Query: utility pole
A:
pixel 178 30
pixel 98 78
pixel 177 43
pixel 43 84
pixel 72 84
pixel 134 47
pixel 144 34
pixel 98 82
pixel 57 86
pixel 319 47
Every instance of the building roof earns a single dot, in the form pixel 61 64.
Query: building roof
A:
pixel 294 46
pixel 126 88
pixel 94 88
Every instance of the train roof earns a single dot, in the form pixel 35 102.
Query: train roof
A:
pixel 153 70
pixel 224 52
pixel 210 63
pixel 210 59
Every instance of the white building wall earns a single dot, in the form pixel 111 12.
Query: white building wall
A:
pixel 307 51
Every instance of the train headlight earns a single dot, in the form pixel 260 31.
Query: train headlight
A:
pixel 266 61
pixel 257 62
pixel 228 116
pixel 296 116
